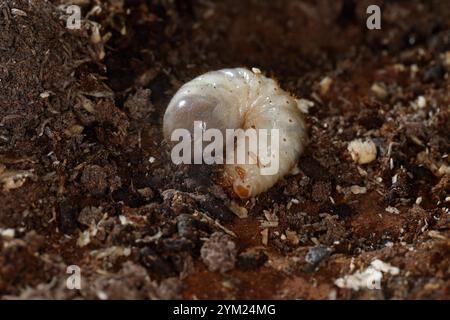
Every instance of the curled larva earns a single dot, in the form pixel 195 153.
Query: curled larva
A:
pixel 242 99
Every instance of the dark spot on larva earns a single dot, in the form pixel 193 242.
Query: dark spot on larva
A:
pixel 284 139
pixel 290 120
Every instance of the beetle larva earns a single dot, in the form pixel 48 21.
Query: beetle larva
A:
pixel 242 99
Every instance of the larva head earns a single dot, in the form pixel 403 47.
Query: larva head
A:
pixel 184 110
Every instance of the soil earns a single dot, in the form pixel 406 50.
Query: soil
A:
pixel 86 178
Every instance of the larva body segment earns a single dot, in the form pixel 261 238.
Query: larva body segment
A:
pixel 242 99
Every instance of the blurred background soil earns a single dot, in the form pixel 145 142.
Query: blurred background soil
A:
pixel 86 178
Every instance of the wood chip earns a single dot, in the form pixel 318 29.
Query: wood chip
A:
pixel 292 237
pixel 241 212
pixel 358 190
pixel 265 237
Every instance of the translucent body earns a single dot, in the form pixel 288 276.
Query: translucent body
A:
pixel 239 98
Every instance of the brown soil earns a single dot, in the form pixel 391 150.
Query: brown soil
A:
pixel 85 177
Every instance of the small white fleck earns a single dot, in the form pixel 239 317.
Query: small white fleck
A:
pixel 256 70
pixel 393 210
pixel 123 220
pixel 421 102
pixel 8 234
pixel 395 179
pixel 102 295
pixel 45 94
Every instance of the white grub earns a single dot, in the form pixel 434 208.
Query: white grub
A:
pixel 241 99
pixel 419 200
pixel 447 199
pixel 362 152
pixel 325 85
pixel 151 159
pixel 368 278
pixel 393 210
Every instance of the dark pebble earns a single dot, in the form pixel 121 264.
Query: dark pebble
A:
pixel 251 259
pixel 434 73
pixel 67 217
pixel 154 263
pixel 316 254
